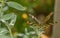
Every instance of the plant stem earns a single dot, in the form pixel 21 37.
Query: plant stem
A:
pixel 11 36
pixel 2 2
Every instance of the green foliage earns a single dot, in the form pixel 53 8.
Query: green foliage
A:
pixel 15 25
pixel 16 6
pixel 3 33
pixel 7 16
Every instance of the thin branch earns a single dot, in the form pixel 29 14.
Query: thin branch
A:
pixel 38 21
pixel 48 17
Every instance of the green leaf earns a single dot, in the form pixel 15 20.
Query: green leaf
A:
pixel 3 33
pixel 7 16
pixel 5 8
pixel 16 6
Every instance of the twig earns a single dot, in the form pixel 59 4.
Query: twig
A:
pixel 38 21
pixel 51 23
pixel 48 17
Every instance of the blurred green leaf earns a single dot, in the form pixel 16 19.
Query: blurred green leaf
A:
pixel 5 8
pixel 3 33
pixel 4 36
pixel 15 5
pixel 7 16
